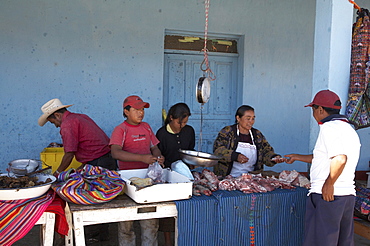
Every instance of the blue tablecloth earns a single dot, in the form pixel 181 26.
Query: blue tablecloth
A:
pixel 234 218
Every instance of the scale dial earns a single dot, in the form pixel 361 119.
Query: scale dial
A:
pixel 203 90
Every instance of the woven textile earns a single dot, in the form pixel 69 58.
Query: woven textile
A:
pixel 362 202
pixel 17 217
pixel 90 185
pixel 234 218
pixel 198 221
pixel 358 104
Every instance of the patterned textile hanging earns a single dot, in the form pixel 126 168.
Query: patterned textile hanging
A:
pixel 358 104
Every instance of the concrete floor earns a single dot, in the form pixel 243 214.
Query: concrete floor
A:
pixel 361 241
pixel 32 238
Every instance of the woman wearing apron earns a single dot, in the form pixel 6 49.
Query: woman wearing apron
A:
pixel 243 147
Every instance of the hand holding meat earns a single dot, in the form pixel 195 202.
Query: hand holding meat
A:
pixel 279 159
pixel 291 158
pixel 242 158
pixel 297 157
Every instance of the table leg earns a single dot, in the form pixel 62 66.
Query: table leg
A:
pixel 69 238
pixel 78 228
pixel 176 231
pixel 47 230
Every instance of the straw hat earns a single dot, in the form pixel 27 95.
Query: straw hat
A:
pixel 49 108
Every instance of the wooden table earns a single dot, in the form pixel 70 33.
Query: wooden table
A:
pixel 122 208
pixel 362 228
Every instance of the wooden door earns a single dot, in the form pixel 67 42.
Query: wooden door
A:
pixel 181 74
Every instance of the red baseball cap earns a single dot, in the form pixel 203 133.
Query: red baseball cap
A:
pixel 135 102
pixel 326 98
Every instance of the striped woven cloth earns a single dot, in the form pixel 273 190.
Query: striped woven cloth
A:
pixel 362 202
pixel 90 185
pixel 17 217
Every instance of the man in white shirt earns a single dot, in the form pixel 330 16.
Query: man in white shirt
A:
pixel 330 204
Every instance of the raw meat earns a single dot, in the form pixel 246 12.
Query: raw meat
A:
pixel 203 190
pixel 210 176
pixel 227 184
pixel 294 178
pixel 196 192
pixel 196 175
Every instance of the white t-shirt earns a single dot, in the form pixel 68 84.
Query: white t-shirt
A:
pixel 336 137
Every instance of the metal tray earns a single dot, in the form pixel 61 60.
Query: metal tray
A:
pixel 21 167
pixel 198 158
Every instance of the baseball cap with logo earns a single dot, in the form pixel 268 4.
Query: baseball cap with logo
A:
pixel 135 102
pixel 326 98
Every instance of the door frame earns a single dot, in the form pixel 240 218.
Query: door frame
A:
pixel 236 56
pixel 240 41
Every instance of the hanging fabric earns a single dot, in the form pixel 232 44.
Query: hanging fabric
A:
pixel 358 104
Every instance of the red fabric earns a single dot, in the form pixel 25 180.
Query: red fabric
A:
pixel 57 206
pixel 137 139
pixel 80 134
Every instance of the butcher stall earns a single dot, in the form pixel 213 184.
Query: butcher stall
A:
pixel 248 210
pixel 221 218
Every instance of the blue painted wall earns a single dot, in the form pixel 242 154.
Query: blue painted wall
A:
pixel 95 53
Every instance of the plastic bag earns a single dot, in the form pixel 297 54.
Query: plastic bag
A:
pixel 180 167
pixel 155 172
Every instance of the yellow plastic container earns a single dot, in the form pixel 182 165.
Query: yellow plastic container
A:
pixel 53 156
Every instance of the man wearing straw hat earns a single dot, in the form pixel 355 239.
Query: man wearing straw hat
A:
pixel 82 137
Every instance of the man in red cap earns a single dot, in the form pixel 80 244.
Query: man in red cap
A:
pixel 329 208
pixel 134 145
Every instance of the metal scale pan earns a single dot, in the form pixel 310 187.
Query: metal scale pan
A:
pixel 197 158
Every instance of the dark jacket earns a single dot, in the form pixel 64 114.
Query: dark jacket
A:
pixel 226 144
